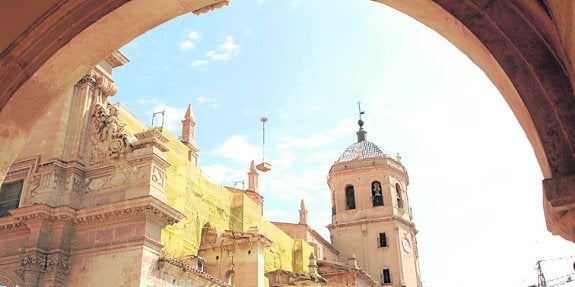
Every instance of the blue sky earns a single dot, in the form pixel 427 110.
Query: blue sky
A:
pixel 475 186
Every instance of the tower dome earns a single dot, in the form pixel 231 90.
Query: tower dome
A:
pixel 362 149
pixel 371 217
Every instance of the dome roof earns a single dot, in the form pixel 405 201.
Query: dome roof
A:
pixel 368 150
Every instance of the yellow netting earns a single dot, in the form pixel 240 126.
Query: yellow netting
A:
pixel 201 200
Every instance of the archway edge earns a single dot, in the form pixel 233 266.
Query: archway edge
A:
pixel 453 19
pixel 514 42
pixel 35 75
pixel 518 46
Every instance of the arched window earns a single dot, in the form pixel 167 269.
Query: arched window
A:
pixel 398 194
pixel 349 197
pixel 230 276
pixel 376 194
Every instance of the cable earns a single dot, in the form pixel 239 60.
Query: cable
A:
pixel 560 258
pixel 567 280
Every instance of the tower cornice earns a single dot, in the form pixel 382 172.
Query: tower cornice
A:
pixel 395 218
pixel 367 163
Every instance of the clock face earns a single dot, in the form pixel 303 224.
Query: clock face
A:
pixel 406 245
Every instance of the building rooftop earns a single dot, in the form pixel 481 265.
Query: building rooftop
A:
pixel 362 149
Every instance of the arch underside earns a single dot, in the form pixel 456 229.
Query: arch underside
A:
pixel 521 46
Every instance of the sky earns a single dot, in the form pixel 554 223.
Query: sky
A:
pixel 475 185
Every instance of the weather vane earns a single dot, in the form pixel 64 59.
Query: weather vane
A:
pixel 360 121
pixel 360 111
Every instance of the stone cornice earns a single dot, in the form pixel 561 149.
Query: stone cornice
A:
pixel 230 239
pixel 24 166
pixel 42 213
pixel 57 163
pixel 148 206
pixel 364 165
pixel 367 162
pixel 100 79
pixel 152 137
pixel 117 59
pixel 338 268
pixel 9 225
pixel 395 218
pixel 323 240
pixel 280 277
pixel 179 266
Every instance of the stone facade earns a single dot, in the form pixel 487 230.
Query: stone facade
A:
pixel 371 217
pixel 91 200
pixel 99 198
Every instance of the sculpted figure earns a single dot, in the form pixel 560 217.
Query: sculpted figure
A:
pixel 108 136
pixel 113 125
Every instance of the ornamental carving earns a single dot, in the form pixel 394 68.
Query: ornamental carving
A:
pixel 158 176
pixel 58 263
pixel 35 184
pixel 89 79
pixel 103 83
pixel 12 228
pixel 77 183
pixel 31 268
pixel 38 265
pixel 147 211
pixel 108 136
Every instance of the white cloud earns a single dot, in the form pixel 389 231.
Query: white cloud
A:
pixel 213 102
pixel 237 148
pixel 225 51
pixel 197 63
pixel 194 35
pixel 188 43
pixel 224 174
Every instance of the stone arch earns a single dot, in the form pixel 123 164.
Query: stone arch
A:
pixel 350 202
pixel 229 277
pixel 399 195
pixel 56 43
pixel 525 47
pixel 9 279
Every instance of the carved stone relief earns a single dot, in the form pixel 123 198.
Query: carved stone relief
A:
pixel 32 268
pixel 54 180
pixel 76 183
pixel 35 185
pixel 158 176
pixel 58 263
pixel 119 177
pixel 108 138
pixel 38 265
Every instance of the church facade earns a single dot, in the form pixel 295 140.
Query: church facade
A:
pixel 371 217
pixel 97 198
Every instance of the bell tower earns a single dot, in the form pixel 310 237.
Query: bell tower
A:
pixel 371 217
